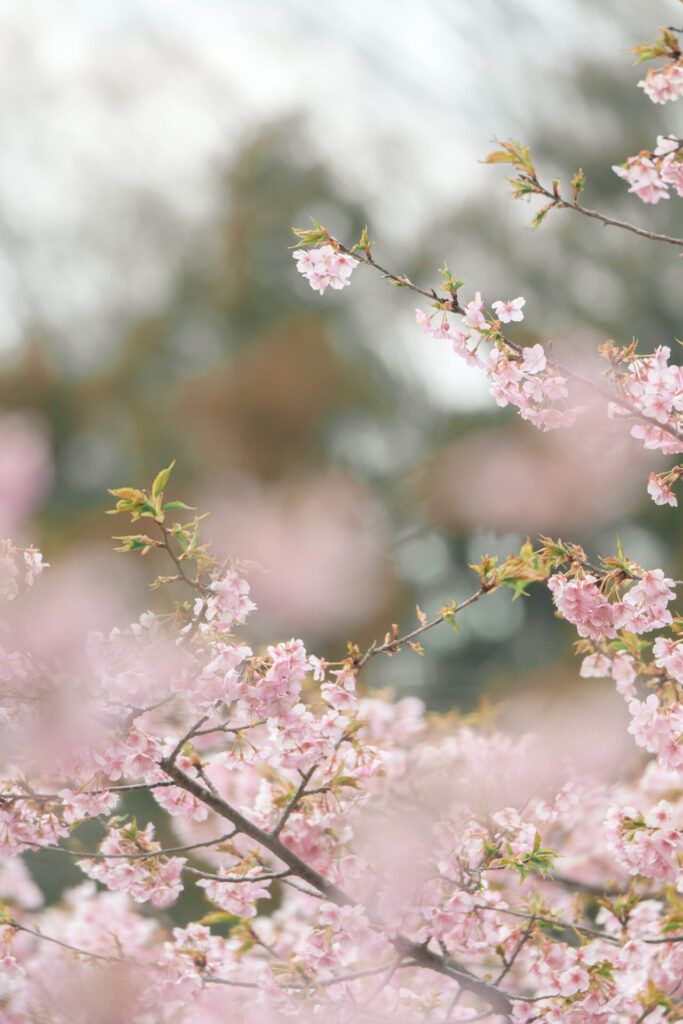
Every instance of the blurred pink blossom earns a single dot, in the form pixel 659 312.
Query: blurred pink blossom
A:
pixel 322 543
pixel 25 468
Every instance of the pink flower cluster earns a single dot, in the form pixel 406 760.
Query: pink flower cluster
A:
pixel 660 490
pixel 669 655
pixel 664 84
pixel 642 609
pixel 229 602
pixel 457 338
pixel 620 667
pixel 341 936
pixel 523 379
pixel 651 174
pixel 659 729
pixel 129 865
pixel 657 390
pixel 654 388
pixel 325 266
pixel 236 894
pixel 531 385
pixel 647 845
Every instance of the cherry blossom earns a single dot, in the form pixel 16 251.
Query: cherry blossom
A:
pixel 324 266
pixel 663 84
pixel 509 311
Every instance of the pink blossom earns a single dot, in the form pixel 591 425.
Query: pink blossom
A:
pixel 669 655
pixel 671 172
pixel 324 266
pixel 644 606
pixel 624 674
pixel 157 879
pixel 663 84
pixel 660 492
pixel 659 729
pixel 642 175
pixel 34 564
pixel 319 666
pixel 474 316
pixel 229 602
pixel 424 321
pixel 239 897
pixel 510 310
pixel 584 605
pixel 596 665
pixel 666 144
pixel 575 979
pixel 9 572
pixel 534 360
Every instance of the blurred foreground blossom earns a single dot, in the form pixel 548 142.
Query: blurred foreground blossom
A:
pixel 25 468
pixel 322 543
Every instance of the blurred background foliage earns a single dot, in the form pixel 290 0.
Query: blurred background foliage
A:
pixel 331 441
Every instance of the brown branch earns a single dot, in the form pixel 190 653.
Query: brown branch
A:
pixel 507 964
pixel 238 878
pixel 404 282
pixel 229 728
pixel 294 801
pixel 165 546
pixel 272 843
pixel 592 932
pixel 338 979
pixel 392 646
pixel 185 739
pixel 74 949
pixel 445 965
pixel 564 204
pixel 134 856
pixel 422 956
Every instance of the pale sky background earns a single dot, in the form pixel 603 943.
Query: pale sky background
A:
pixel 117 116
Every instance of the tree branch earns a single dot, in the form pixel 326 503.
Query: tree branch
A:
pixel 422 956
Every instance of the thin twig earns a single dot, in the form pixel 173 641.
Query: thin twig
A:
pixel 392 646
pixel 518 948
pixel 74 949
pixel 564 204
pixel 185 739
pixel 134 856
pixel 164 545
pixel 294 801
pixel 236 879
pixel 402 280
pixel 592 932
pixel 393 967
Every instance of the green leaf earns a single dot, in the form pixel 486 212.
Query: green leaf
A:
pixel 306 236
pixel 161 480
pixel 517 585
pixel 136 542
pixel 346 780
pixel 219 917
pixel 448 612
pixel 499 157
pixel 172 506
pixel 538 218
